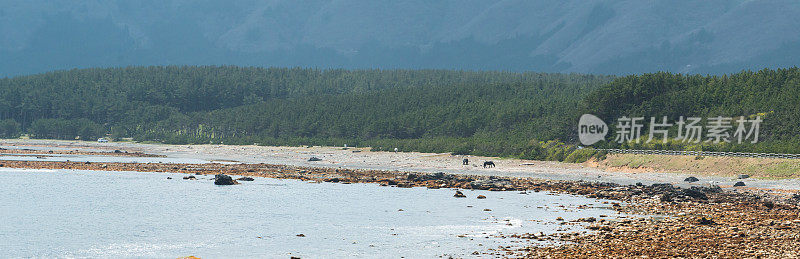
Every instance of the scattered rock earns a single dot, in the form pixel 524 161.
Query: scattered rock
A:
pixel 117 151
pixel 691 179
pixel 222 179
pixel 487 209
pixel 459 194
pixel 492 184
pixel 301 235
pixel 169 178
pixel 744 176
pixel 481 197
pixel 246 178
pixel 190 177
pixel 313 159
pixel 738 184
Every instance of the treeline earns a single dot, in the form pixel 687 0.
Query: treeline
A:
pixel 773 95
pixel 141 95
pixel 526 115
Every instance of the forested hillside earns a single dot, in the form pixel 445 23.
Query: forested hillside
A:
pixel 431 110
pixel 773 95
pixel 530 115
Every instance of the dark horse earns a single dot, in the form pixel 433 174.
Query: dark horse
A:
pixel 465 161
pixel 488 164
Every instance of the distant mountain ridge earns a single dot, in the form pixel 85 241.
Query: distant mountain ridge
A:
pixel 607 37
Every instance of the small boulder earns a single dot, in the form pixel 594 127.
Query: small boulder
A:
pixel 705 221
pixel 691 179
pixel 246 178
pixel 222 179
pixel 738 184
pixel 481 197
pixel 314 159
pixel 744 176
pixel 190 177
pixel 459 194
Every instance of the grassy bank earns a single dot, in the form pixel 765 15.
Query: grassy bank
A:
pixel 764 168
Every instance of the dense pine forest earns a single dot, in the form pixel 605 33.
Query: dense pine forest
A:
pixel 528 115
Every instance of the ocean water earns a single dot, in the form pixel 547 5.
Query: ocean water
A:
pixel 75 214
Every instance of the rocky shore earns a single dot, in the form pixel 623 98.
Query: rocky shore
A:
pixel 117 152
pixel 693 222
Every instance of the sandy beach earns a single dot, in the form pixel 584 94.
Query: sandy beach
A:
pixel 363 158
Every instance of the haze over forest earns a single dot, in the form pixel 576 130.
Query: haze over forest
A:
pixel 601 37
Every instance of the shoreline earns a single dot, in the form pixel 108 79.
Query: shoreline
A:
pixel 694 220
pixel 363 158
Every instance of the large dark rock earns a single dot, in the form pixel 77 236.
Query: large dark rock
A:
pixel 222 179
pixel 738 184
pixel 691 179
pixel 314 159
pixel 695 194
pixel 459 194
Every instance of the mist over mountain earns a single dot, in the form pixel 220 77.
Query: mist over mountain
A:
pixel 608 37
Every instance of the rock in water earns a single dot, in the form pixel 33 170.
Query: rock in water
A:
pixel 246 178
pixel 737 184
pixel 481 197
pixel 691 179
pixel 191 177
pixel 313 158
pixel 459 194
pixel 744 176
pixel 222 179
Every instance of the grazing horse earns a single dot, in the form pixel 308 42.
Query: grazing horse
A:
pixel 465 161
pixel 488 164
